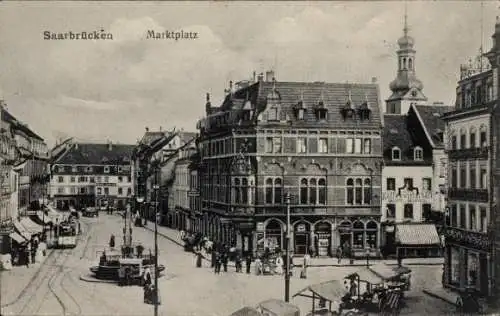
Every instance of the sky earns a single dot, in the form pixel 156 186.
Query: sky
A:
pixel 111 90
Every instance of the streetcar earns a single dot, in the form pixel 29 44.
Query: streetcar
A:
pixel 66 233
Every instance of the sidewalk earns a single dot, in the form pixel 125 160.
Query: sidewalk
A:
pixel 15 282
pixel 174 236
pixel 440 293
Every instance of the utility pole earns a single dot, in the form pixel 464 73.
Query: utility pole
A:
pixel 156 188
pixel 287 249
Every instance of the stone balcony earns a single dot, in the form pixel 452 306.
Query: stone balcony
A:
pixel 473 239
pixel 475 195
pixel 469 153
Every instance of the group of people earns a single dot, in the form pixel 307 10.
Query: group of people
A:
pixel 26 254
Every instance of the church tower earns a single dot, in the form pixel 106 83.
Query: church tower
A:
pixel 406 88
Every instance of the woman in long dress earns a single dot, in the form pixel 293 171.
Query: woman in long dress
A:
pixel 279 265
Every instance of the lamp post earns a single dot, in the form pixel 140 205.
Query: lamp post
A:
pixel 367 256
pixel 287 249
pixel 156 188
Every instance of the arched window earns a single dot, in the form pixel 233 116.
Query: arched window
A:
pixel 322 191
pixel 273 235
pixel 312 191
pixel 358 231
pixel 472 137
pixel 350 191
pixel 483 138
pixel 358 191
pixel 396 153
pixel 371 234
pixel 463 138
pixel 404 63
pixel 278 191
pixel 367 191
pixel 410 63
pixel 244 191
pixel 418 153
pixel 269 191
pixel 303 191
pixel 237 191
pixel 400 64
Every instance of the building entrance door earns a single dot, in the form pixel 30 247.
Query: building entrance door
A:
pixel 301 243
pixel 483 274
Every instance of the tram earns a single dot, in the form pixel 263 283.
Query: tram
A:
pixel 66 233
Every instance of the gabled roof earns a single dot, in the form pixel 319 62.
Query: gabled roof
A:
pixel 334 96
pixel 151 137
pixel 430 118
pixel 96 154
pixel 16 124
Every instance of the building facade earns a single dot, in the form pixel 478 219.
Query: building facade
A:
pixel 413 174
pixel 318 142
pixel 89 174
pixel 471 234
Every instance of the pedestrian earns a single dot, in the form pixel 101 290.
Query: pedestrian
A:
pixel 140 250
pixel 214 258
pixel 305 264
pixel 217 263
pixel 279 265
pixel 248 262
pixel 238 264
pixel 26 257
pixel 224 260
pixel 339 254
pixel 199 258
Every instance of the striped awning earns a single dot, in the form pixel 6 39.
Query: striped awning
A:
pixel 31 226
pixel 17 238
pixel 417 234
pixel 22 230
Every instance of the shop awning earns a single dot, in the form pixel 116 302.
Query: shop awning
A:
pixel 388 272
pixel 364 274
pixel 31 226
pixel 43 218
pixel 331 291
pixel 22 230
pixel 17 238
pixel 417 234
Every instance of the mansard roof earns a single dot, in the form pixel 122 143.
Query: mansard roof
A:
pixel 96 154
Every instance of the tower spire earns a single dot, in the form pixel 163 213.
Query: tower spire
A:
pixel 405 27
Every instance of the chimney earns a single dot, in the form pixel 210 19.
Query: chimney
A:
pixel 147 129
pixel 374 79
pixel 231 86
pixel 269 75
pixel 208 105
pixel 254 74
pixel 260 77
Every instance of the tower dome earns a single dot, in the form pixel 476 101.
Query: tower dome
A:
pixel 406 81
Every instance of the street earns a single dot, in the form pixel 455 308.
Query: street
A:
pixel 184 290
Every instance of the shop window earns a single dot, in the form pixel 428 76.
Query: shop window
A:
pixel 371 234
pixel 358 231
pixel 408 211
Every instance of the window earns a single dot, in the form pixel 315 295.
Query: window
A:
pixel 322 114
pixel 442 169
pixel 463 218
pixel 454 142
pixel 82 190
pixel 106 191
pixel 427 184
pixel 99 191
pixel 358 233
pixel 273 114
pixel 453 177
pixel 277 144
pixel 484 178
pixel 463 175
pixel 120 179
pixel 472 217
pixel 426 211
pixel 60 179
pixel 106 179
pixel 120 169
pixel 106 169
pixel 120 191
pixel 92 180
pixel 463 139
pixel 483 139
pixel 129 179
pixel 269 145
pixel 300 114
pixel 396 153
pixel 60 190
pixel 73 190
pixel 408 182
pixel 418 153
pixel 357 145
pixel 472 176
pixel 72 179
pixel 349 145
pixel 391 210
pixel 89 169
pixel 313 191
pixel 74 169
pixel 391 184
pixel 302 144
pixel 454 216
pixel 408 211
pixel 129 191
pixel 367 146
pixel 472 140
pixel 484 220
pixel 371 234
pixel 244 191
pixel 323 145
pixel 240 191
pixel 358 191
pixel 81 179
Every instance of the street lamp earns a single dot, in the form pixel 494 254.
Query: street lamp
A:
pixel 367 256
pixel 156 188
pixel 139 200
pixel 287 249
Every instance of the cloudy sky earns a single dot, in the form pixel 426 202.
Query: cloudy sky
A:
pixel 113 89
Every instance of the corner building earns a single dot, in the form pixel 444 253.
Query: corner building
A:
pixel 319 142
pixel 472 227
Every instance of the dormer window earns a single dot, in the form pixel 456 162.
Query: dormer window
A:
pixel 272 114
pixel 89 169
pixel 106 169
pixel 348 109
pixel 74 169
pixel 300 110
pixel 321 113
pixel 418 154
pixel 396 153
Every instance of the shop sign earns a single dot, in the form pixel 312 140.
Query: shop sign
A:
pixel 260 227
pixel 301 228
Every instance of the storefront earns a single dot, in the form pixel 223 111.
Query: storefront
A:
pixel 417 241
pixel 302 238
pixel 273 236
pixel 345 234
pixel 323 231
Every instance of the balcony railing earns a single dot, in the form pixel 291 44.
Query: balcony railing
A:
pixel 464 237
pixel 469 153
pixel 476 195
